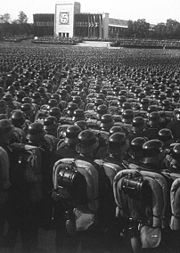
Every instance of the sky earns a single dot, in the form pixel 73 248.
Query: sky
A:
pixel 154 11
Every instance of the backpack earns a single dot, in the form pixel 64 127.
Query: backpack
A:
pixel 134 196
pixel 129 188
pixel 110 169
pixel 173 179
pixel 175 204
pixel 158 184
pixel 75 183
pixel 70 184
pixel 159 188
pixel 151 232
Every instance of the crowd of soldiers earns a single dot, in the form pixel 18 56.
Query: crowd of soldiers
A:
pixel 145 43
pixel 84 104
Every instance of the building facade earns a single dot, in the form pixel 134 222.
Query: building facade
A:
pixel 68 22
pixel 64 18
pixel 43 24
pixel 88 25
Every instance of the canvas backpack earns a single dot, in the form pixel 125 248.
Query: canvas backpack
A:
pixel 110 169
pixel 75 183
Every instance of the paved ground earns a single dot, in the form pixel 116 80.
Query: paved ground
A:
pixel 47 245
pixel 94 44
pixel 100 44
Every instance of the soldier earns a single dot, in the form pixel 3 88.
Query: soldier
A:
pixel 78 115
pixel 101 110
pixel 6 130
pixel 36 99
pixel 138 128
pixel 153 155
pixel 67 148
pixel 136 151
pixel 5 183
pixel 153 126
pixel 106 122
pixel 51 125
pixel 87 146
pixel 71 107
pixel 118 146
pixel 18 120
pixel 144 103
pixel 115 161
pixel 28 110
pixel 172 160
pixel 3 107
pixel 56 112
pixel 78 101
pixel 127 116
pixel 37 137
pixel 165 135
pixel 174 125
pixel 12 105
pixel 88 143
pixel 18 205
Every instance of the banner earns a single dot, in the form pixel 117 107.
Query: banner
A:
pixel 64 18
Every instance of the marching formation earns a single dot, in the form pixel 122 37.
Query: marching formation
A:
pixel 89 147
